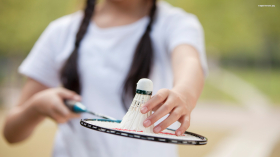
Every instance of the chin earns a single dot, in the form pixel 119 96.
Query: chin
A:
pixel 115 0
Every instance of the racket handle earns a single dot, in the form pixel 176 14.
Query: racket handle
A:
pixel 78 107
pixel 75 106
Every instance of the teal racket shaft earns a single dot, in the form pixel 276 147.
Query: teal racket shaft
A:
pixel 78 107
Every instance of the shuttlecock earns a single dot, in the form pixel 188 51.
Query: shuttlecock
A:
pixel 133 120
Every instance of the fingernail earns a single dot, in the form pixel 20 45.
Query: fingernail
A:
pixel 144 109
pixel 147 123
pixel 179 133
pixel 76 97
pixel 157 129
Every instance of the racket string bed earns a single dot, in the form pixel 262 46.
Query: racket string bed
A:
pixel 167 136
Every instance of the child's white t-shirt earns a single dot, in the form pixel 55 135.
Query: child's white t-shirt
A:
pixel 105 57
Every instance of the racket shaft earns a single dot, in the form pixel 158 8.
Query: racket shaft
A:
pixel 100 115
pixel 72 105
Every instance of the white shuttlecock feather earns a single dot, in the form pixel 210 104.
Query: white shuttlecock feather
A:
pixel 133 120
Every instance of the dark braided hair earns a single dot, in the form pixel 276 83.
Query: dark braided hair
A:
pixel 140 67
pixel 69 73
pixel 142 60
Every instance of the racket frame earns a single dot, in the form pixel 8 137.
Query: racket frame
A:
pixel 84 123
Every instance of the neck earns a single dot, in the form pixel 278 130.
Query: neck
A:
pixel 136 8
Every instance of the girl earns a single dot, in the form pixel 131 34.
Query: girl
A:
pixel 100 55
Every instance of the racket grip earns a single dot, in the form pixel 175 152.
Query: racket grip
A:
pixel 75 106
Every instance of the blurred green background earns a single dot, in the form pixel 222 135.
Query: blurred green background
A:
pixel 243 50
pixel 240 37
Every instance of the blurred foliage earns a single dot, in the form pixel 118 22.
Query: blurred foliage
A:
pixel 238 32
pixel 212 93
pixel 234 30
pixel 23 21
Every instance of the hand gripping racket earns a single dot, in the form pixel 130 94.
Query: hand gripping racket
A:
pixel 112 126
pixel 78 107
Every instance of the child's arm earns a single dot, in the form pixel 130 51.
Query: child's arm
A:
pixel 36 102
pixel 181 100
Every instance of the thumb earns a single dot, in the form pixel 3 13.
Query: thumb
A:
pixel 68 94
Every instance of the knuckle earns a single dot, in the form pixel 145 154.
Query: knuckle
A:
pixel 70 91
pixel 52 106
pixel 66 113
pixel 57 119
pixel 55 103
pixel 165 90
pixel 177 113
pixel 74 116
pixel 165 124
pixel 184 128
pixel 154 117
pixel 176 97
pixel 184 110
pixel 167 107
pixel 160 96
pixel 58 89
pixel 73 92
pixel 186 124
pixel 62 120
pixel 68 117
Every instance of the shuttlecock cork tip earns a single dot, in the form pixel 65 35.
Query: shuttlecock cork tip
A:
pixel 145 84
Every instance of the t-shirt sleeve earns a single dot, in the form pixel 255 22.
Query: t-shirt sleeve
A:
pixel 40 63
pixel 186 29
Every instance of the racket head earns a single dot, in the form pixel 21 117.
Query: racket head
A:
pixel 110 127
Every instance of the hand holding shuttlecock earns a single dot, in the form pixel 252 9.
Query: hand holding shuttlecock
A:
pixel 132 124
pixel 133 120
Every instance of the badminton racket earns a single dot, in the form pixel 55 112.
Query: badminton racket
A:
pixel 112 126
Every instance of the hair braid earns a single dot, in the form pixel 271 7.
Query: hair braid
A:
pixel 142 59
pixel 69 73
pixel 141 64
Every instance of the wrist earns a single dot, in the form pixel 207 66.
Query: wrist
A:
pixel 186 95
pixel 34 107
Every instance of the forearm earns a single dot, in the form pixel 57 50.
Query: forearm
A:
pixel 187 73
pixel 21 121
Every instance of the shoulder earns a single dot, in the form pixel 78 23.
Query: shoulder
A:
pixel 61 31
pixel 170 15
pixel 67 22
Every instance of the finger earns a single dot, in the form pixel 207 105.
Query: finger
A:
pixel 173 117
pixel 158 106
pixel 64 111
pixel 68 94
pixel 57 117
pixel 185 124
pixel 155 100
pixel 62 118
pixel 162 111
pixel 74 115
pixel 61 109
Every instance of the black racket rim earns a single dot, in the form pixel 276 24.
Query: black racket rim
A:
pixel 84 123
